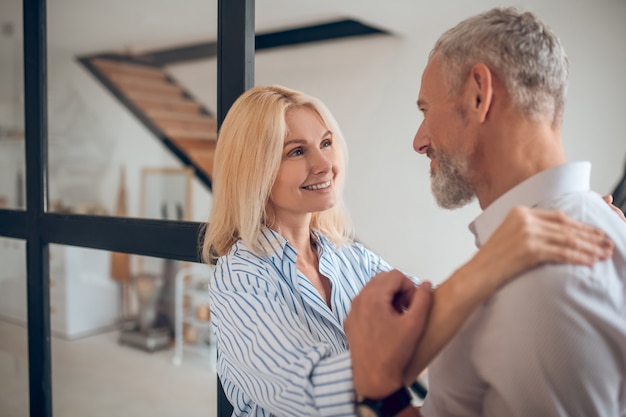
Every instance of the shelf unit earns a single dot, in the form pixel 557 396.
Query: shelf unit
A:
pixel 192 313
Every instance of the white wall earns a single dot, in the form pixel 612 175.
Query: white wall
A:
pixel 371 85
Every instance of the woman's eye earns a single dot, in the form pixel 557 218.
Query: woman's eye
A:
pixel 327 143
pixel 295 152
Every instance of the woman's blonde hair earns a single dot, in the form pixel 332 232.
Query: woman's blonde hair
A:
pixel 247 158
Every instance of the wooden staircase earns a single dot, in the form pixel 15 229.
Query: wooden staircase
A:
pixel 172 114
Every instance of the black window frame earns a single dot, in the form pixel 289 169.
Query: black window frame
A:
pixel 159 238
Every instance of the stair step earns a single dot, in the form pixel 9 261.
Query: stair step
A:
pixel 150 101
pixel 204 160
pixel 108 67
pixel 168 120
pixel 128 83
pixel 179 116
pixel 184 134
pixel 195 144
pixel 206 125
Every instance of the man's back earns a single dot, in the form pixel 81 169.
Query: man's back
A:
pixel 551 343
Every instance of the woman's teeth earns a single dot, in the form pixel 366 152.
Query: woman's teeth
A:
pixel 318 186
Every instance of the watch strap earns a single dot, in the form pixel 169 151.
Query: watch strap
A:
pixel 391 405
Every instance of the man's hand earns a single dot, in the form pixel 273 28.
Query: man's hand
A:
pixel 383 327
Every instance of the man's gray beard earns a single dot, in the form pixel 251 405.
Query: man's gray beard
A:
pixel 450 184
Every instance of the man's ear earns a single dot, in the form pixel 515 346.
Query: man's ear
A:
pixel 480 91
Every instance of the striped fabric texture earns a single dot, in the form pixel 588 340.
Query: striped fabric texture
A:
pixel 283 351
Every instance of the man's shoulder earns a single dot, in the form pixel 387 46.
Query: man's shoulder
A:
pixel 588 207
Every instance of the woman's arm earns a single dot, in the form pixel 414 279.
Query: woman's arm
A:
pixel 526 238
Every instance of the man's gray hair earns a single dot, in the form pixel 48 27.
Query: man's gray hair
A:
pixel 520 49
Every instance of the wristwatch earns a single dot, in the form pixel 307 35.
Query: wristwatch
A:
pixel 389 406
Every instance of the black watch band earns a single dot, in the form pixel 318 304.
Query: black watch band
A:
pixel 389 406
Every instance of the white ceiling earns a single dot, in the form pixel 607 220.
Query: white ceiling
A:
pixel 91 26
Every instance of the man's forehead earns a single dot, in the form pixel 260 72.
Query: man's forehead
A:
pixel 428 78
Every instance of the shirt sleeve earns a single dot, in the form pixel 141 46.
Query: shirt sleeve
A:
pixel 549 345
pixel 268 351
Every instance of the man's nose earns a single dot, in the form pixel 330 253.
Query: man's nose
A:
pixel 421 141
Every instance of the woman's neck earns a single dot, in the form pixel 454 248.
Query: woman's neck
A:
pixel 300 238
pixel 307 262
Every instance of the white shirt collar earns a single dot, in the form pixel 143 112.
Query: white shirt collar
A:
pixel 560 180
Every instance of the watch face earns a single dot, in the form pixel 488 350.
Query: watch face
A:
pixel 364 410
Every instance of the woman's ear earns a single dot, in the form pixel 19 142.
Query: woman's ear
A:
pixel 480 91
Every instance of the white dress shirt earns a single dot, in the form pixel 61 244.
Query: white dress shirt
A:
pixel 552 342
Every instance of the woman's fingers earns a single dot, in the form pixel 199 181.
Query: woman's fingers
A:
pixel 551 236
pixel 609 200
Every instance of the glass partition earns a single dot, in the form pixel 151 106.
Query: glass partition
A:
pixel 12 166
pixel 130 335
pixel 131 109
pixel 14 399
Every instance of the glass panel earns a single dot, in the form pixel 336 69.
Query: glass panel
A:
pixel 12 176
pixel 13 331
pixel 130 113
pixel 114 321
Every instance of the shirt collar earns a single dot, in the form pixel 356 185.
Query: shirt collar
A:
pixel 273 244
pixel 554 182
pixel 270 242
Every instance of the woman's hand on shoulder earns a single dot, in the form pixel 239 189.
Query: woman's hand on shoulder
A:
pixel 531 236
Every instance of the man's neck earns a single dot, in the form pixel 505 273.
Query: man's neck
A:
pixel 515 154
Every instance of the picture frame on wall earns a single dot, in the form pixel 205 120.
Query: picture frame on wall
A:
pixel 165 194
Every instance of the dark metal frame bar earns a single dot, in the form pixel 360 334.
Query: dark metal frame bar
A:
pixel 306 34
pixel 167 239
pixel 235 74
pixel 38 288
pixel 235 52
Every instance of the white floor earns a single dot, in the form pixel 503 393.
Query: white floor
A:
pixel 96 377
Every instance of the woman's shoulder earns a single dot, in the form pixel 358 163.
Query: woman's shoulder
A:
pixel 240 256
pixel 242 269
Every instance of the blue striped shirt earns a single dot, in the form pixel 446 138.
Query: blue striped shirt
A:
pixel 283 351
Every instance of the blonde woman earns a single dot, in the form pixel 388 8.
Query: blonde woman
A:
pixel 288 267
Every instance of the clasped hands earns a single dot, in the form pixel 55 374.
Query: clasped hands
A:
pixel 383 328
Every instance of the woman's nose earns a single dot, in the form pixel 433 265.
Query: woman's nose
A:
pixel 321 163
